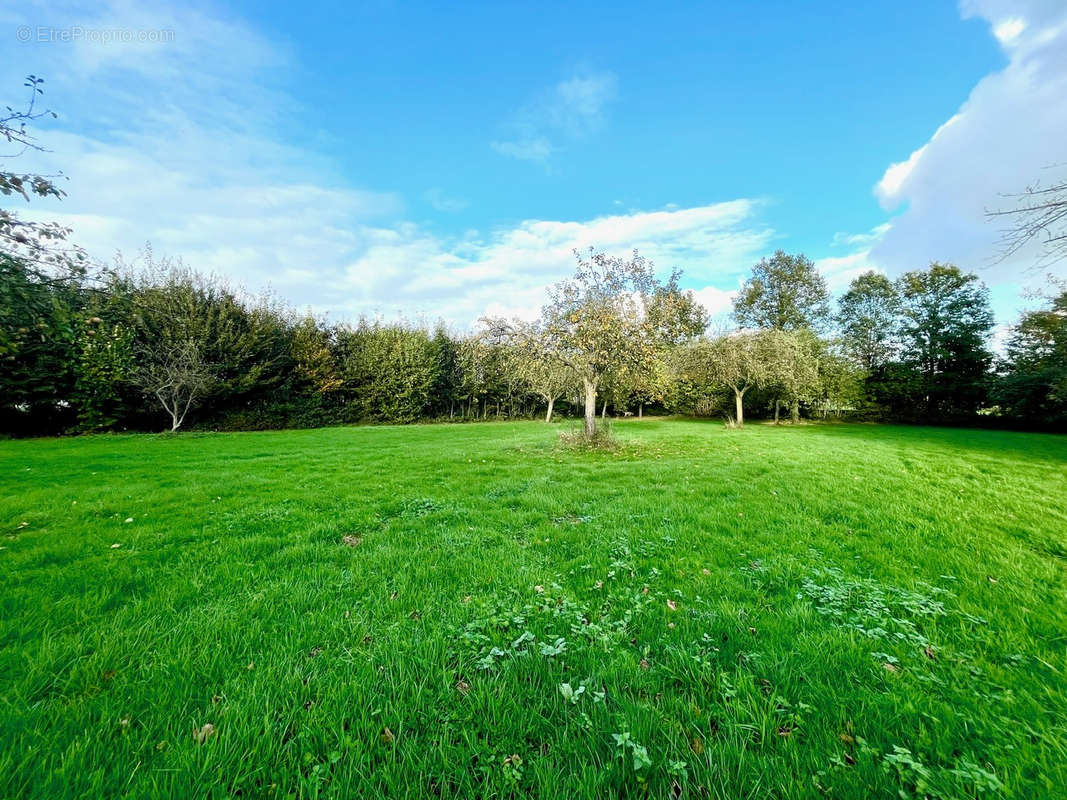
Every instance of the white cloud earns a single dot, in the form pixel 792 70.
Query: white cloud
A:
pixel 1008 30
pixel 1005 136
pixel 178 147
pixel 506 272
pixel 570 110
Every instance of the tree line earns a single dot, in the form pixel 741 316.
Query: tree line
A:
pixel 160 345
pixel 163 346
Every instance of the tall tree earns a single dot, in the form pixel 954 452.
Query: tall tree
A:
pixel 945 326
pixel 867 318
pixel 785 292
pixel 1034 385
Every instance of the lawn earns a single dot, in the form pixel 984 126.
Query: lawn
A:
pixel 470 611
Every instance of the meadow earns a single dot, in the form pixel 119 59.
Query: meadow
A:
pixel 474 611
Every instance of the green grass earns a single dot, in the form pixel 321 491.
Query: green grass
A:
pixel 844 611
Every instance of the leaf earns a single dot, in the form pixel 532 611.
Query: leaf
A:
pixel 697 746
pixel 388 737
pixel 673 606
pixel 352 540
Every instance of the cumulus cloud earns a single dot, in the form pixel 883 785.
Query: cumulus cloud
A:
pixel 1008 134
pixel 570 110
pixel 506 272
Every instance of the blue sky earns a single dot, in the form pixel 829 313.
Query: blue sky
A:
pixel 437 160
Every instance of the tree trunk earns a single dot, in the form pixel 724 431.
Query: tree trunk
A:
pixel 604 409
pixel 794 411
pixel 548 414
pixel 738 395
pixel 640 410
pixel 590 407
pixel 777 406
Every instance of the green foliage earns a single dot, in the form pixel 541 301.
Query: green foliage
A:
pixel 945 326
pixel 1034 383
pixel 389 370
pixel 103 366
pixel 867 318
pixel 785 292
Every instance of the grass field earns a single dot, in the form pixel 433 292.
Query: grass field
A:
pixel 844 611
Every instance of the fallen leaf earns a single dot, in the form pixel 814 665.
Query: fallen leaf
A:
pixel 393 596
pixel 352 540
pixel 314 652
pixel 203 733
pixel 129 519
pixel 162 745
pixel 705 571
pixel 539 589
pixel 785 731
pixel 929 652
pixel 599 585
pixel 673 606
pixel 462 686
pixel 990 578
pixel 216 699
pixel 115 546
pixel 388 737
pixel 251 665
pixel 466 599
pixel 644 663
pixel 891 667
pixel 415 614
pixel 751 629
pixel 644 590
pixel 697 745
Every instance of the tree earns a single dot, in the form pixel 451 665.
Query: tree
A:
pixel 867 318
pixel 40 246
pixel 786 292
pixel 612 316
pixel 37 334
pixel 312 351
pixel 177 375
pixel 389 370
pixel 1034 384
pixel 945 324
pixel 548 378
pixel 738 362
pixel 1040 214
pixel 247 340
pixel 791 368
